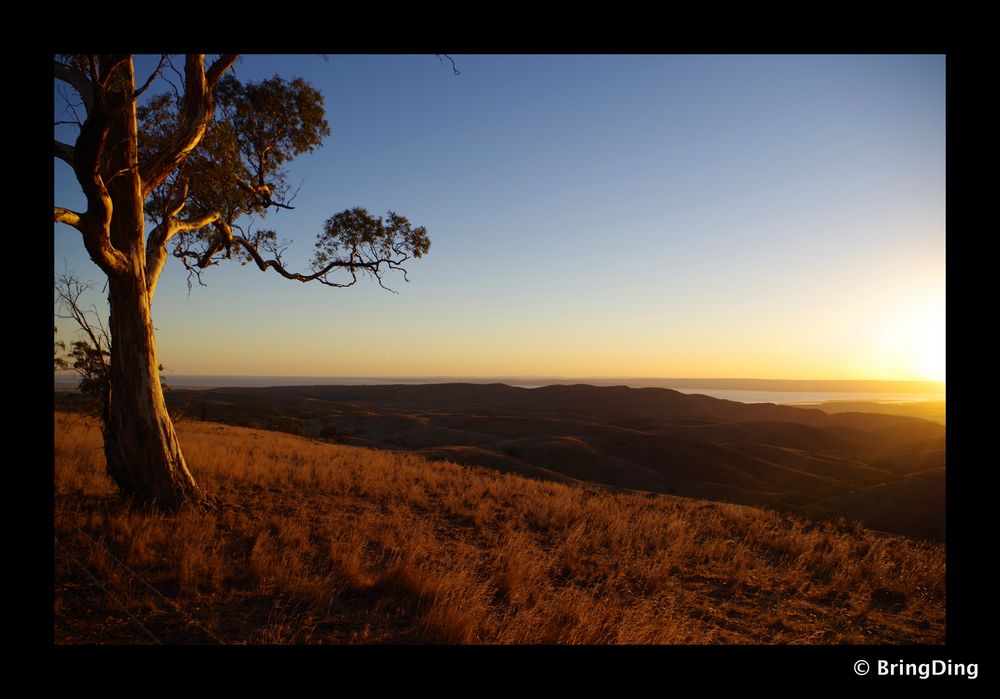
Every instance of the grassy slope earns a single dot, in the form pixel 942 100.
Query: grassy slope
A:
pixel 322 543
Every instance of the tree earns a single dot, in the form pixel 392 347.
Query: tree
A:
pixel 88 357
pixel 215 149
pixel 91 365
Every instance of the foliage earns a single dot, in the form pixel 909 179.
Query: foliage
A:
pixel 60 361
pixel 239 166
pixel 91 364
pixel 239 171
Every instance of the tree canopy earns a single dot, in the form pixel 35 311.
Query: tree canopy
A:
pixel 240 170
pixel 209 201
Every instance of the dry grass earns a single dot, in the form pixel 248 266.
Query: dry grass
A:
pixel 320 543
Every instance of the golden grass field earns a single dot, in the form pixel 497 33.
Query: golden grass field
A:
pixel 312 542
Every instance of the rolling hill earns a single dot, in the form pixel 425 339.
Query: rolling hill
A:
pixel 649 439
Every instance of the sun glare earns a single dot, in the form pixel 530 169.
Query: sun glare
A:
pixel 931 352
pixel 917 341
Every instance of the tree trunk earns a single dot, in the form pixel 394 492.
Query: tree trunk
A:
pixel 143 454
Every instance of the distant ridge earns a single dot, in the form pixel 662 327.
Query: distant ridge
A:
pixel 737 384
pixel 651 439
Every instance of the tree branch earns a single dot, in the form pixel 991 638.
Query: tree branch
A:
pixel 454 68
pixel 69 108
pixel 162 234
pixel 95 238
pixel 262 194
pixel 156 245
pixel 152 77
pixel 96 222
pixel 193 223
pixel 353 265
pixel 353 241
pixel 223 63
pixel 90 362
pixel 196 113
pixel 179 200
pixel 70 218
pixel 70 290
pixel 65 152
pixel 87 157
pixel 76 79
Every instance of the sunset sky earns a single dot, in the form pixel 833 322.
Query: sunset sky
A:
pixel 595 216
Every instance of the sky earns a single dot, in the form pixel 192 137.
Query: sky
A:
pixel 778 217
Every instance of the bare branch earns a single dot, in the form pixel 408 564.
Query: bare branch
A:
pixel 77 79
pixel 152 77
pixel 454 70
pixel 90 361
pixel 193 273
pixel 70 290
pixel 173 85
pixel 64 152
pixel 70 106
pixel 292 198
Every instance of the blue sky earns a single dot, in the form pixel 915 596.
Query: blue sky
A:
pixel 731 216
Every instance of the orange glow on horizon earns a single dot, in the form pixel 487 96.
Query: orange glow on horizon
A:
pixel 913 342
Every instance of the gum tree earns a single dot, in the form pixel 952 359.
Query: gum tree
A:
pixel 180 174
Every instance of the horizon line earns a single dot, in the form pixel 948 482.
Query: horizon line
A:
pixel 500 378
pixel 561 377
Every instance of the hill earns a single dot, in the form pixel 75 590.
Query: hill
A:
pixel 650 439
pixel 311 542
pixel 933 410
pixel 890 507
